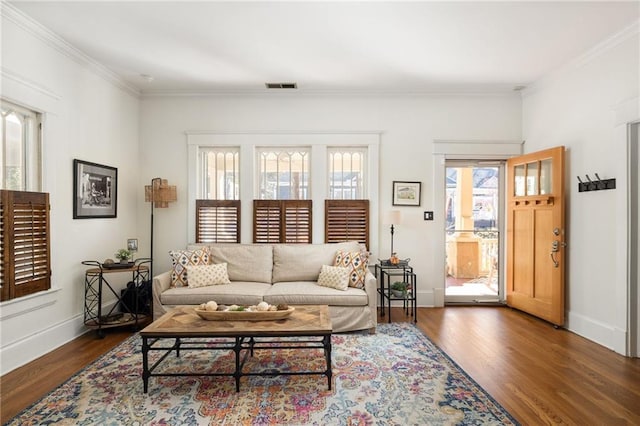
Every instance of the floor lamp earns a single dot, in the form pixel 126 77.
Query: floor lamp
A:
pixel 392 218
pixel 159 194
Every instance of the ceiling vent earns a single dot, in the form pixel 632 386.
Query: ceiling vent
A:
pixel 281 85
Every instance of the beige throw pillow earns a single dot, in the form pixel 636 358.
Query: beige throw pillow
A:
pixel 206 275
pixel 334 277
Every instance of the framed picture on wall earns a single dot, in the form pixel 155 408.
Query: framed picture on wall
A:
pixel 406 193
pixel 95 190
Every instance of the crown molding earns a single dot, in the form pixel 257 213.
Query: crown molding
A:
pixel 330 93
pixel 586 58
pixel 53 40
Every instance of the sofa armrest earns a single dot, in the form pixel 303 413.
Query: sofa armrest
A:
pixel 160 284
pixel 371 287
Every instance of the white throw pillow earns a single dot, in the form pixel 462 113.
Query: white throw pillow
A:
pixel 334 277
pixel 206 275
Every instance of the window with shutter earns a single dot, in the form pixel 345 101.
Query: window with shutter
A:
pixel 347 220
pixel 25 254
pixel 282 221
pixel 217 221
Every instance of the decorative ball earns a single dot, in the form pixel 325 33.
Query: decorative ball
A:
pixel 211 306
pixel 262 306
pixel 108 262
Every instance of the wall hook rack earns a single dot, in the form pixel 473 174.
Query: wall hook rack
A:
pixel 595 185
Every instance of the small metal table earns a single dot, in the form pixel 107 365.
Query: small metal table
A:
pixel 95 286
pixel 384 273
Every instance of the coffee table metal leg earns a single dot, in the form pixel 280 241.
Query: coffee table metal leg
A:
pixel 145 364
pixel 238 373
pixel 326 341
pixel 178 347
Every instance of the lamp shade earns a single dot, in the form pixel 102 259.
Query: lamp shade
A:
pixel 161 193
pixel 392 217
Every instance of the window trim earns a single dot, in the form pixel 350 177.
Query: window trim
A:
pixel 32 155
pixel 259 150
pixel 351 149
pixel 319 142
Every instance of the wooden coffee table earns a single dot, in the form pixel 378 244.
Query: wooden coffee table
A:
pixel 311 322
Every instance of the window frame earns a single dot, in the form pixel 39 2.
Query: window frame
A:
pixel 343 150
pixel 319 143
pixel 278 150
pixel 202 168
pixel 31 156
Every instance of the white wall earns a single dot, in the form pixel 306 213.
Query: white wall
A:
pixel 575 108
pixel 408 126
pixel 86 117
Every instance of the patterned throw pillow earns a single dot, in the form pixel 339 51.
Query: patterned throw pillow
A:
pixel 182 258
pixel 334 276
pixel 356 262
pixel 206 275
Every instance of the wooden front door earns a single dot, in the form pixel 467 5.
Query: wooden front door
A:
pixel 535 234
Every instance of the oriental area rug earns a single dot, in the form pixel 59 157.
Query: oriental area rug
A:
pixel 394 377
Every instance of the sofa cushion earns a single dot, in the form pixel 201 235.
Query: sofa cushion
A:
pixel 245 262
pixel 205 275
pixel 310 293
pixel 302 262
pixel 356 262
pixel 334 277
pixel 180 259
pixel 238 292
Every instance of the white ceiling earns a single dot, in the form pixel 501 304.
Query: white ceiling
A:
pixel 208 47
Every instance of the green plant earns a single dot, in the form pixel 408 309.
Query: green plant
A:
pixel 123 254
pixel 400 288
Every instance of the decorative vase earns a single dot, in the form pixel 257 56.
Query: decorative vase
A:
pixel 398 293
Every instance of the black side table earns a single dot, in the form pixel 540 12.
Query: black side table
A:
pixel 384 273
pixel 95 284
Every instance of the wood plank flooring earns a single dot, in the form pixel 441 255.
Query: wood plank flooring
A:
pixel 540 374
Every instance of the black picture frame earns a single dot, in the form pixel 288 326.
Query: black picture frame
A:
pixel 406 193
pixel 95 190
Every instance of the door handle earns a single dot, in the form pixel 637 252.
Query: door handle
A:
pixel 555 247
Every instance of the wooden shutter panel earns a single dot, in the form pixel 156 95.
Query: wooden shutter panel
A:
pixel 266 221
pixel 217 221
pixel 346 220
pixel 282 221
pixel 297 221
pixel 26 264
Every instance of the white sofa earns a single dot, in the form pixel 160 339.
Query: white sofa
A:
pixel 276 273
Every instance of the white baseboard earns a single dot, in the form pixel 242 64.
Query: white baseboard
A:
pixel 604 334
pixel 34 346
pixel 44 341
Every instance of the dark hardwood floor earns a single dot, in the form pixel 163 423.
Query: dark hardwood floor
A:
pixel 540 374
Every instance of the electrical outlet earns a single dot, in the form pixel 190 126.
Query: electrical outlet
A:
pixel 428 215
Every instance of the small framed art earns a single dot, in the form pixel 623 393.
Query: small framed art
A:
pixel 406 193
pixel 95 190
